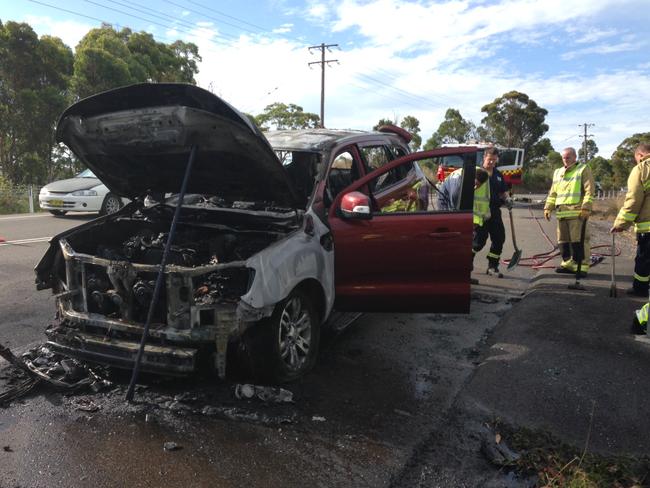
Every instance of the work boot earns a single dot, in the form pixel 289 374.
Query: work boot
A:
pixel 638 328
pixel 637 293
pixel 562 269
pixel 494 271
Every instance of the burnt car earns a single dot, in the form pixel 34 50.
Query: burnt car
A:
pixel 275 233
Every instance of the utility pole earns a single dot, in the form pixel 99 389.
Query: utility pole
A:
pixel 322 63
pixel 586 137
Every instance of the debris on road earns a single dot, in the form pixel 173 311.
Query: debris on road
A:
pixel 318 418
pixel 171 446
pixel 264 393
pixel 495 449
pixel 41 365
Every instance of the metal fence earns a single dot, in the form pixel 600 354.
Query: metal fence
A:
pixel 18 199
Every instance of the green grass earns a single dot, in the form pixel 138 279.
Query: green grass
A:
pixel 559 465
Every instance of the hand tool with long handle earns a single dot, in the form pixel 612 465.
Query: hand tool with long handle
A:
pixel 514 260
pixel 583 231
pixel 612 286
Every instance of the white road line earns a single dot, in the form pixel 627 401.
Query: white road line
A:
pixel 25 241
pixel 24 217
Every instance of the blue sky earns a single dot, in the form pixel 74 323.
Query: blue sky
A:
pixel 582 60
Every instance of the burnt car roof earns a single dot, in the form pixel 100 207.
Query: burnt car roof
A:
pixel 137 140
pixel 308 139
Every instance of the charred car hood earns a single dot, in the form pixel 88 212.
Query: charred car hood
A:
pixel 137 140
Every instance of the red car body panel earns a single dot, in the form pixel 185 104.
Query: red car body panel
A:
pixel 413 261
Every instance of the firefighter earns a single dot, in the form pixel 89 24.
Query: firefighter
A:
pixel 488 199
pixel 571 196
pixel 636 210
pixel 450 189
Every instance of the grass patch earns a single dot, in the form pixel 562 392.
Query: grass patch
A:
pixel 559 465
pixel 607 209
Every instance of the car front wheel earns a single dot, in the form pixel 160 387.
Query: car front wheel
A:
pixel 111 204
pixel 284 347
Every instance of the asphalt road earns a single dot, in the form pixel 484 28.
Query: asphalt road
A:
pixel 24 311
pixel 379 392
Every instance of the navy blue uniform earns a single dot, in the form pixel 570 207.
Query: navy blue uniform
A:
pixel 493 227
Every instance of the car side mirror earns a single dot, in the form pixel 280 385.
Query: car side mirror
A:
pixel 355 205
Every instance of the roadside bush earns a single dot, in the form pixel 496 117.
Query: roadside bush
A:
pixel 13 199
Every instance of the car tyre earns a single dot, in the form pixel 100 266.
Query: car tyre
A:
pixel 284 347
pixel 58 213
pixel 111 204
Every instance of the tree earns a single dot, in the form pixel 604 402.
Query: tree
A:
pixel 454 129
pixel 539 152
pixel 623 158
pixel 106 58
pixel 384 122
pixel 603 172
pixel 540 176
pixel 515 120
pixel 592 150
pixel 412 125
pixel 34 76
pixel 282 116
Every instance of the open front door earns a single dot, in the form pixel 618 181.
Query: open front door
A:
pixel 395 251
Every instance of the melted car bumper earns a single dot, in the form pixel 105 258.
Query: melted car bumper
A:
pixel 121 353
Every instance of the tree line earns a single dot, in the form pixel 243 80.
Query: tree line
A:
pixel 40 77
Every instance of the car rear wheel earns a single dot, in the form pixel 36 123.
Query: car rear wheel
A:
pixel 58 213
pixel 112 203
pixel 284 347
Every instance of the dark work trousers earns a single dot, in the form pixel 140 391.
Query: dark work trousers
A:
pixel 642 263
pixel 497 232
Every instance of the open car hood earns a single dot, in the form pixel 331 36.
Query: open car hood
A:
pixel 137 139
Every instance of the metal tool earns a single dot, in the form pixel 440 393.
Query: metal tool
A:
pixel 516 256
pixel 612 286
pixel 583 230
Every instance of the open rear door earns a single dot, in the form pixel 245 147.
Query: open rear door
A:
pixel 397 255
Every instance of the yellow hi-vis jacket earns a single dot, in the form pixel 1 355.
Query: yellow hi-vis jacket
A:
pixel 636 208
pixel 482 203
pixel 572 191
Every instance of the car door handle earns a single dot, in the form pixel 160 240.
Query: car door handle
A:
pixel 444 234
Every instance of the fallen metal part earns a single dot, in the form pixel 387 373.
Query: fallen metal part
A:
pixel 28 366
pixel 232 413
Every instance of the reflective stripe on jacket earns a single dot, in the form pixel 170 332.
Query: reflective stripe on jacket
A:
pixel 572 191
pixel 642 314
pixel 636 208
pixel 482 203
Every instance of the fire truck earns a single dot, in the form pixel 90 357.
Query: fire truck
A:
pixel 511 162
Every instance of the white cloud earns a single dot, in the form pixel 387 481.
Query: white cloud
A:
pixel 69 31
pixel 422 50
pixel 591 34
pixel 283 29
pixel 603 49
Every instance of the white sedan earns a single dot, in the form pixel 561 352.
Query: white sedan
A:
pixel 83 193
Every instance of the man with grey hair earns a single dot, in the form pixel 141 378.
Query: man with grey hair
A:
pixel 571 196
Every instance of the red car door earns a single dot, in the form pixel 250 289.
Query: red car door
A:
pixel 417 261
